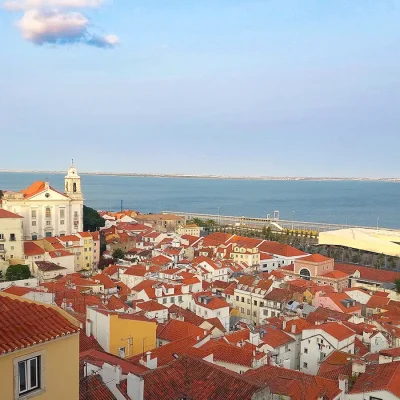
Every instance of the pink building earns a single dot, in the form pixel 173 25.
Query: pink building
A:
pixel 338 302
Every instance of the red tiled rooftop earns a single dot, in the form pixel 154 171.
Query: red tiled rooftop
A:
pixel 335 274
pixel 24 324
pixel 367 273
pixel 151 306
pixel 315 258
pixel 92 387
pixel 335 329
pixel 32 249
pixel 174 330
pixel 8 214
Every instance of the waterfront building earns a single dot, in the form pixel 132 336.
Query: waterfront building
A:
pixel 46 211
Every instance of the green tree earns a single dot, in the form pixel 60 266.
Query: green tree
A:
pixel 356 259
pixel 1 275
pixel 379 261
pixel 368 259
pixel 397 283
pixel 1 194
pixel 17 272
pixel 92 219
pixel 117 254
pixel 392 262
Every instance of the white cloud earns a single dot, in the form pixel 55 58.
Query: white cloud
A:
pixel 58 22
pixel 52 26
pixel 21 5
pixel 59 27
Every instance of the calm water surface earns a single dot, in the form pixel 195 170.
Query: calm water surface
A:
pixel 357 203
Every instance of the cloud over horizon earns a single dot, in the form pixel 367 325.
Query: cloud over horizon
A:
pixel 57 22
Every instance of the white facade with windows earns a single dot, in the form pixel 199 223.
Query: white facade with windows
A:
pixel 11 243
pixel 46 211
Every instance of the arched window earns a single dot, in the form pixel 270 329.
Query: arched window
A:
pixel 305 274
pixel 74 187
pixel 48 212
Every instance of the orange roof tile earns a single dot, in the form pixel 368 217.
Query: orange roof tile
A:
pixel 7 214
pixel 32 249
pixel 151 305
pixel 24 324
pixel 315 258
pixel 175 330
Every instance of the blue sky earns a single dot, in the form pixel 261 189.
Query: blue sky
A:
pixel 227 87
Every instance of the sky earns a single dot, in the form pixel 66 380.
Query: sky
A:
pixel 233 87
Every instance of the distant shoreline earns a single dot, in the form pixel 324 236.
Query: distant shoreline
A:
pixel 195 176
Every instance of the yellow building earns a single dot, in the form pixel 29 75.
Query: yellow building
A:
pixel 189 229
pixel 39 355
pixel 246 253
pixel 123 335
pixel 11 239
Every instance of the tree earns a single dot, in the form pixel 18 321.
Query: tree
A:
pixel 17 272
pixel 392 262
pixel 117 254
pixel 104 262
pixel 379 261
pixel 397 283
pixel 356 258
pixel 1 194
pixel 92 220
pixel 1 275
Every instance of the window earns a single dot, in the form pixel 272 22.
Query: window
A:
pixel 33 214
pixel 33 223
pixel 90 249
pixel 305 350
pixel 62 214
pixel 287 347
pixel 255 302
pixel 254 313
pixel 75 214
pixel 61 222
pixel 242 310
pixel 29 375
pixel 12 237
pixel 164 300
pixel 34 237
pixel 48 212
pixel 48 234
pixel 85 248
pixel 266 313
pixel 172 299
pixel 1 236
pixel 48 223
pixel 12 248
pixel 248 312
pixel 248 301
pixel 242 299
pixel 305 365
pixel 180 298
pixel 261 304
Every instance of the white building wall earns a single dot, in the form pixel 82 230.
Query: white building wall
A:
pixel 100 327
pixel 378 395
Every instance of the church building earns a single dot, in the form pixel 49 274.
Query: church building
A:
pixel 46 211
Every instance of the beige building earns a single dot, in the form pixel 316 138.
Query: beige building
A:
pixel 191 229
pixel 11 239
pixel 46 211
pixel 162 222
pixel 37 361
pixel 246 253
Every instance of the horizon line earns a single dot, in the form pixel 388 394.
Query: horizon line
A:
pixel 208 176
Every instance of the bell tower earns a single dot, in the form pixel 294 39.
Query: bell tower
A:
pixel 73 187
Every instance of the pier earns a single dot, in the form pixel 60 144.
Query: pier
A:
pixel 274 222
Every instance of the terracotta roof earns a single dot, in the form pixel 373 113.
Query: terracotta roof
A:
pixel 46 266
pixel 278 294
pixel 174 330
pixel 98 358
pixel 300 324
pixel 136 271
pixel 85 234
pixel 335 274
pixel 187 315
pixel 24 324
pixel 160 260
pixel 336 364
pixel 395 352
pixel 105 280
pixel 295 384
pixel 212 302
pixel 315 258
pixel 87 342
pixel 237 336
pixel 18 290
pixel 114 303
pixel 379 377
pixel 335 329
pixel 280 249
pixel 341 299
pixel 59 253
pixel 92 387
pixel 151 306
pixel 275 337
pixel 216 323
pixel 69 238
pixel 231 354
pixel 165 353
pixel 325 314
pixel 196 379
pixel 111 270
pixel 370 274
pixel 377 302
pixel 8 214
pixel 32 249
pixel 360 349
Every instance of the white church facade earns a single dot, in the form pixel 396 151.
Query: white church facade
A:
pixel 46 211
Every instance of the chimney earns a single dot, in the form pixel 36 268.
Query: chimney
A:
pixel 88 328
pixel 118 374
pixel 293 328
pixel 358 367
pixel 135 387
pixel 284 324
pixel 343 383
pixel 148 357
